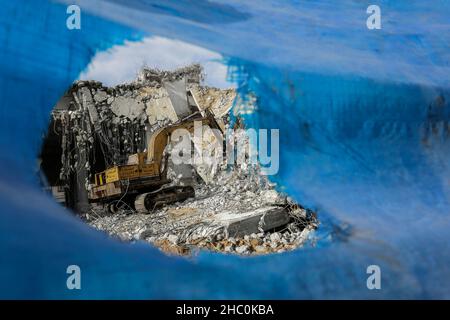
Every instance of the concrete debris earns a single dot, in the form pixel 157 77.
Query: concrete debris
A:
pixel 101 96
pixel 242 249
pixel 155 78
pixel 127 107
pixel 173 238
pixel 159 109
pixel 261 219
pixel 275 237
pixel 202 223
pixel 219 101
pixel 236 209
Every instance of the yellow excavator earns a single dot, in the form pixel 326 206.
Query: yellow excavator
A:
pixel 140 184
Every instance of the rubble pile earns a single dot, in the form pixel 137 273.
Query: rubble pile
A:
pixel 236 209
pixel 185 227
pixel 155 78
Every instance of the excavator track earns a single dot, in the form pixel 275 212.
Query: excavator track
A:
pixel 147 202
pixel 139 203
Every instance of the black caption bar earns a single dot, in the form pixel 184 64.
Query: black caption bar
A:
pixel 226 309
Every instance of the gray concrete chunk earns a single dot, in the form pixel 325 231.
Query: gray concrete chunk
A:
pixel 262 219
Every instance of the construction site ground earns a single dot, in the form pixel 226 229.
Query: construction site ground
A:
pixel 203 222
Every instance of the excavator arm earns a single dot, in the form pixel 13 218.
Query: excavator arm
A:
pixel 160 138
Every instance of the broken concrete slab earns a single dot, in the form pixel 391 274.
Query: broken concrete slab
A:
pixel 127 107
pixel 159 106
pixel 219 101
pixel 259 220
pixel 100 96
pixel 178 97
pixel 209 148
pixel 86 100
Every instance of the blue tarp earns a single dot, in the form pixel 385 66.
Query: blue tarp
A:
pixel 364 119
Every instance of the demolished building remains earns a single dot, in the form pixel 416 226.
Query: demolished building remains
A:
pixel 116 168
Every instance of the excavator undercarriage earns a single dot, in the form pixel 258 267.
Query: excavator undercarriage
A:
pixel 147 202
